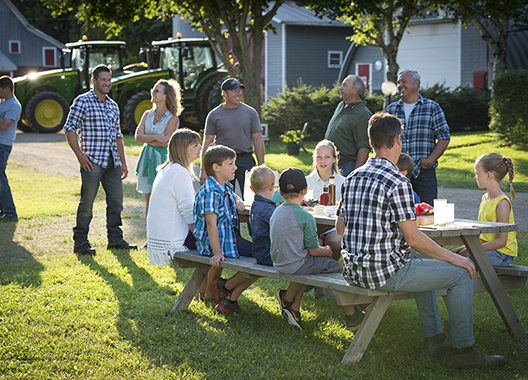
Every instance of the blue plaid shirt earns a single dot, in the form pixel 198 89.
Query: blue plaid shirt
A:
pixel 427 124
pixel 374 198
pixel 97 124
pixel 215 199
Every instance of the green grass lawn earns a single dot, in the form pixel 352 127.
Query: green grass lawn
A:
pixel 109 316
pixel 455 166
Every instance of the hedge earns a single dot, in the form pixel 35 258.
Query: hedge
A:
pixel 508 111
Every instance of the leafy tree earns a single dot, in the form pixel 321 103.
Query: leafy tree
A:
pixel 243 22
pixel 494 20
pixel 376 22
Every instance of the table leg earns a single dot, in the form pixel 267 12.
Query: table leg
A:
pixel 193 284
pixel 367 329
pixel 493 285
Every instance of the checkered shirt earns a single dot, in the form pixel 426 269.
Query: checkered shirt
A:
pixel 374 198
pixel 215 199
pixel 427 124
pixel 97 124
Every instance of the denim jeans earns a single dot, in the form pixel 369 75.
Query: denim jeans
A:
pixel 426 185
pixel 243 163
pixel 110 178
pixel 499 259
pixel 7 206
pixel 423 276
pixel 347 168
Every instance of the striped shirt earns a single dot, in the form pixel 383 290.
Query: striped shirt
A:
pixel 374 198
pixel 426 125
pixel 97 124
pixel 212 198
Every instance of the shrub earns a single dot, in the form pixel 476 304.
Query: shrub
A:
pixel 298 105
pixel 508 111
pixel 465 108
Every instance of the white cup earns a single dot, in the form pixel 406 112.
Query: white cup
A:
pixel 440 212
pixel 450 213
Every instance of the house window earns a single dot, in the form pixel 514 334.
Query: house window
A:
pixel 14 47
pixel 335 59
pixel 49 56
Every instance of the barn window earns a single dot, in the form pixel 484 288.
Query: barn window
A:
pixel 335 59
pixel 14 47
pixel 49 56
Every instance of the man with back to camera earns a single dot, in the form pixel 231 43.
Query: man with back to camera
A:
pixel 348 127
pixel 101 154
pixel 377 217
pixel 10 111
pixel 237 126
pixel 425 136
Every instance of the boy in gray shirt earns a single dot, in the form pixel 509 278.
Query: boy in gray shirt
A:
pixel 295 245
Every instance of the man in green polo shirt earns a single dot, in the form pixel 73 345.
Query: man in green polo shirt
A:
pixel 348 127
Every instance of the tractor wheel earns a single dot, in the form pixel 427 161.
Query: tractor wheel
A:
pixel 22 126
pixel 46 112
pixel 209 96
pixel 135 108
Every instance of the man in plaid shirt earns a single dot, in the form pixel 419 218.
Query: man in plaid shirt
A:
pixel 425 136
pixel 377 218
pixel 101 154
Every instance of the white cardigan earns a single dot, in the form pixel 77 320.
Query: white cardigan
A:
pixel 170 212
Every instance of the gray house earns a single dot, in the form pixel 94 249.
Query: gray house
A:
pixel 24 48
pixel 302 46
pixel 441 52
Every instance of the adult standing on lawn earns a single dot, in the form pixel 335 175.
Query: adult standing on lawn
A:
pixel 10 110
pixel 425 136
pixel 237 126
pixel 101 154
pixel 347 129
pixel 377 217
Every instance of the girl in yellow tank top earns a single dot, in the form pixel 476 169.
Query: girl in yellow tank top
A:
pixel 495 206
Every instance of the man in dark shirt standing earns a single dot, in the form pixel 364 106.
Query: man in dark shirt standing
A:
pixel 101 154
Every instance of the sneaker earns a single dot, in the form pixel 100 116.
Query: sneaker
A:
pixel 227 307
pixel 354 321
pixel 470 357
pixel 292 317
pixel 436 346
pixel 219 288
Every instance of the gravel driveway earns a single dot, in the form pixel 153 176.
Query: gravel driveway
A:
pixel 50 153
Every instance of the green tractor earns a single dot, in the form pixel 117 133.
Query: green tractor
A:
pixel 46 96
pixel 199 78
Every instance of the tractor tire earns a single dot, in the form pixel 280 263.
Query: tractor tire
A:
pixel 135 108
pixel 46 112
pixel 208 97
pixel 24 127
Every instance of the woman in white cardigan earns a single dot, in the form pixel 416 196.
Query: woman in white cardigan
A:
pixel 170 217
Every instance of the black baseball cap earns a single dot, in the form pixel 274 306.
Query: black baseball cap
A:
pixel 292 180
pixel 231 84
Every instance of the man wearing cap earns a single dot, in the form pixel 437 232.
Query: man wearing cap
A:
pixel 237 126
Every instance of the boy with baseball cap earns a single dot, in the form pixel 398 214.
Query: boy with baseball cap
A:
pixel 295 245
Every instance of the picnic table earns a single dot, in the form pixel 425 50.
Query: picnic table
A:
pixel 462 232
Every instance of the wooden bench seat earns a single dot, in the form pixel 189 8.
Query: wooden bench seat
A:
pixel 511 277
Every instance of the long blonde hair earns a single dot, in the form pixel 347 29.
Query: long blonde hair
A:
pixel 330 145
pixel 173 93
pixel 498 165
pixel 177 148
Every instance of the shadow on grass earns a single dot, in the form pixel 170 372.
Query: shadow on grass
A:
pixel 19 264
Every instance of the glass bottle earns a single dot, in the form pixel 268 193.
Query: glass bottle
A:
pixel 332 190
pixel 324 198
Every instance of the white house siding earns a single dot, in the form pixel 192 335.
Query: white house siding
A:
pixel 433 49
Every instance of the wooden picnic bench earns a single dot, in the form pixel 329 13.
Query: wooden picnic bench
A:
pixel 511 277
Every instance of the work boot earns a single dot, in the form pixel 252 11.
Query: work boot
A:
pixel 470 357
pixel 436 346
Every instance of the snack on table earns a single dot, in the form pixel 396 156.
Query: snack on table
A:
pixel 424 214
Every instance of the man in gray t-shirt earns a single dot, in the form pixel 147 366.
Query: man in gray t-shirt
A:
pixel 237 126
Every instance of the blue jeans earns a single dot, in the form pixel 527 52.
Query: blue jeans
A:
pixel 423 276
pixel 426 185
pixel 110 178
pixel 243 163
pixel 499 259
pixel 347 168
pixel 7 206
